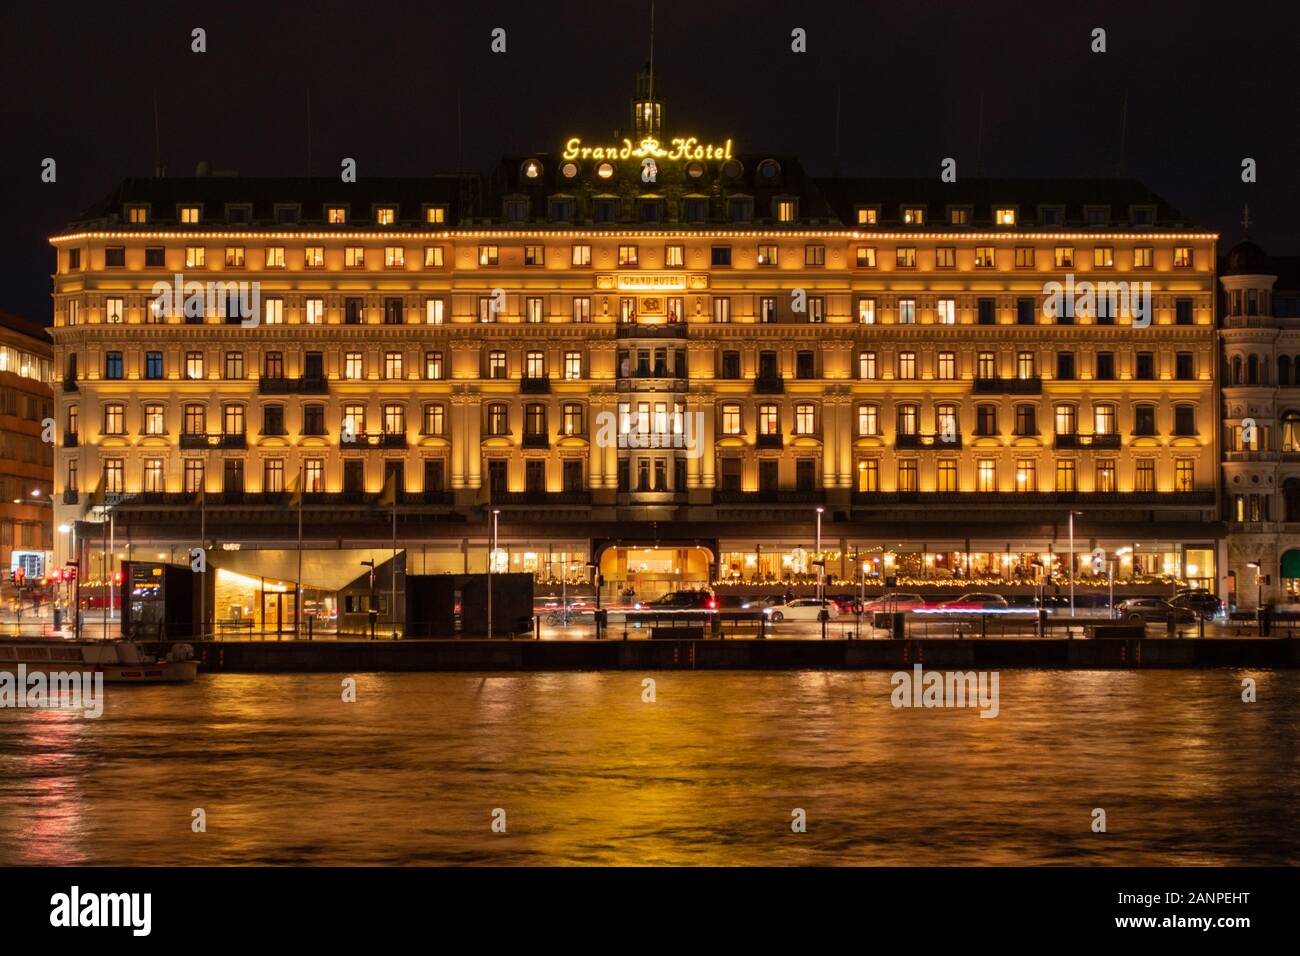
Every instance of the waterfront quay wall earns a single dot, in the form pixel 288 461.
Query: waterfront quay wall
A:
pixel 742 654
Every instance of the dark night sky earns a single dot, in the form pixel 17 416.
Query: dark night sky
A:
pixel 1207 84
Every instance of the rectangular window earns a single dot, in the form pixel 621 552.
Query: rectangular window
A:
pixel 1183 258
pixel 766 255
pixel 1024 257
pixel 866 257
pixel 984 257
pixel 315 312
pixel 868 420
pixel 275 257
pixel 313 257
pixel 946 366
pixel 488 256
pixel 1103 257
pixel 946 476
pixel 1105 476
pixel 907 312
pixel 1145 475
pixel 1026 474
pixel 905 257
pixel 1064 257
pixel 1184 475
pixel 1142 257
pixel 814 256
pixel 534 255
pixel 581 309
pixel 581 254
pixel 945 257
pixel 869 475
pixel 627 256
pixel 721 309
pixel 1065 475
pixel 354 257
pixel 866 365
pixel 867 311
pixel 907 476
pixel 946 312
pixel 986 475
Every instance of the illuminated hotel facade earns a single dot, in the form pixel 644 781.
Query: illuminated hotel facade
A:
pixel 663 369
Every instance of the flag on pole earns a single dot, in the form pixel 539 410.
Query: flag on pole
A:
pixel 201 496
pixel 484 496
pixel 295 491
pixel 388 497
pixel 96 499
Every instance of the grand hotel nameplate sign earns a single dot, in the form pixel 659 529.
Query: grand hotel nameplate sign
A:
pixel 681 148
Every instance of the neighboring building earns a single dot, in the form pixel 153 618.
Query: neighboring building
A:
pixel 26 462
pixel 877 348
pixel 1260 331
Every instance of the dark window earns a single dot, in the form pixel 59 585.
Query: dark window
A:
pixel 571 475
pixel 115 257
pixel 695 210
pixel 392 312
pixel 535 476
pixel 497 476
pixel 805 474
pixel 721 256
pixel 987 312
pixel 767 474
pixel 113 365
pixel 313 368
pixel 273 420
pixel 1026 420
pixel 730 365
pixel 153 365
pixel 1184 366
pixel 767 365
pixel 1065 366
pixel 1025 311
pixel 232 478
pixel 986 420
pixel 804 365
pixel 1105 366
pixel 1184 420
pixel 153 257
pixel 74 258
pixel 435 475
pixel 1144 422
pixel 352 310
pixel 313 420
pixel 731 474
pixel 1145 369
pixel 1183 312
pixel 624 475
pixel 354 476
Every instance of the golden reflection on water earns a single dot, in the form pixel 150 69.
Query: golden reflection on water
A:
pixel 709 773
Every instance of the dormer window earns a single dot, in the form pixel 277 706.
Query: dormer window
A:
pixel 385 215
pixel 1005 215
pixel 1143 215
pixel 515 209
pixel 336 215
pixel 137 215
pixel 650 210
pixel 786 210
pixel 913 215
pixel 435 215
pixel 604 210
pixel 561 210
pixel 1096 215
pixel 959 215
pixel 741 210
pixel 287 213
pixel 189 215
pixel 868 215
pixel 239 212
pixel 695 209
pixel 1051 215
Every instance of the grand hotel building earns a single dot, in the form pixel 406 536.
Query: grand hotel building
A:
pixel 871 354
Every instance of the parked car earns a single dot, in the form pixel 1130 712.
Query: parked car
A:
pixel 976 601
pixel 686 600
pixel 801 609
pixel 1151 610
pixel 1199 601
pixel 894 601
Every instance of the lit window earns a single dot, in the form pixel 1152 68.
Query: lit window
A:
pixel 984 257
pixel 907 365
pixel 907 312
pixel 786 210
pixel 946 367
pixel 581 309
pixel 189 214
pixel 385 215
pixel 987 475
pixel 434 311
pixel 868 215
pixel 866 257
pixel 353 367
pixel 235 256
pixel 1005 216
pixel 393 365
pixel 913 215
pixel 113 311
pixel 137 215
pixel 435 215
pixel 1142 257
pixel 336 215
pixel 274 312
pixel 1064 257
pixel 945 257
pixel 867 365
pixel 432 257
pixel 905 257
pixel 959 216
pixel 805 419
pixel 581 254
pixel 1024 257
pixel 814 255
pixel 767 255
pixel 313 257
pixel 768 420
pixel 1026 474
pixel 868 420
pixel 1184 474
pixel 674 257
pixel 275 257
pixel 488 255
pixel 867 311
pixel 731 419
pixel 627 256
pixel 195 257
pixel 946 312
pixel 354 257
pixel 434 419
pixel 394 257
pixel 1182 257
pixel 573 365
pixel 1103 257
pixel 534 255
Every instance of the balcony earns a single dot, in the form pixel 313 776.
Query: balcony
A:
pixel 776 441
pixel 1009 386
pixel 671 330
pixel 233 441
pixel 200 441
pixel 1088 442
pixel 392 440
pixel 806 496
pixel 652 383
pixel 536 441
pixel 292 386
pixel 927 443
pixel 541 497
pixel 535 386
pixel 71 439
pixel 769 385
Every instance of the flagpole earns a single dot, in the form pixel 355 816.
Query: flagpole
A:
pixel 102 591
pixel 392 608
pixel 203 545
pixel 297 610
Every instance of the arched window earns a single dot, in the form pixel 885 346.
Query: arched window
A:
pixel 1291 431
pixel 1284 370
pixel 1291 492
pixel 1236 370
pixel 1252 370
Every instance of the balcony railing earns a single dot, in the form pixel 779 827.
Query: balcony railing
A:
pixel 536 441
pixel 392 440
pixel 292 386
pixel 810 496
pixel 1108 442
pixel 769 441
pixel 535 386
pixel 1009 386
pixel 927 442
pixel 541 497
pixel 769 385
pixel 201 440
pixel 982 499
pixel 670 330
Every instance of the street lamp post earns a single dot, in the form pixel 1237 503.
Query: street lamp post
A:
pixel 492 556
pixel 1073 562
pixel 821 564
